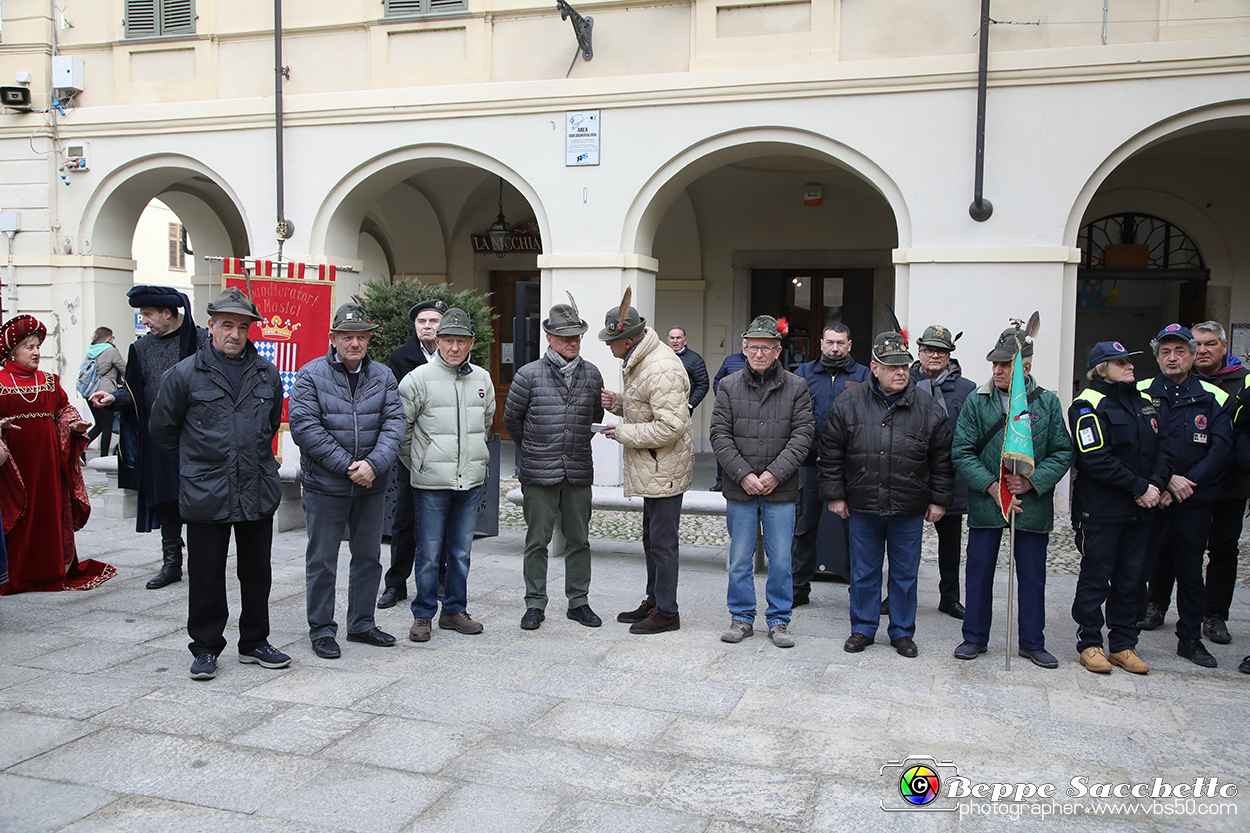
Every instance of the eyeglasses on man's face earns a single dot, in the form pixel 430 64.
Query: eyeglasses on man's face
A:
pixel 757 350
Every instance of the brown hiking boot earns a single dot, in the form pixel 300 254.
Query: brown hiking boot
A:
pixel 639 613
pixel 1095 660
pixel 656 622
pixel 420 630
pixel 1129 661
pixel 459 622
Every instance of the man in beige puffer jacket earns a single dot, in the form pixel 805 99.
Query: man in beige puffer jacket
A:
pixel 659 454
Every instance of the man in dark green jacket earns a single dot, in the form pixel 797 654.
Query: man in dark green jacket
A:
pixel 976 453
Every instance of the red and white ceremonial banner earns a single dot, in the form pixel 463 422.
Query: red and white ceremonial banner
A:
pixel 296 307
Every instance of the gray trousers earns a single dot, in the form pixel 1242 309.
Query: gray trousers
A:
pixel 328 516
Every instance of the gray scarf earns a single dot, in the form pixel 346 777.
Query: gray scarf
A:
pixel 934 386
pixel 567 367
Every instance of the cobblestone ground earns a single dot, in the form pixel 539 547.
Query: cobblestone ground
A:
pixel 709 531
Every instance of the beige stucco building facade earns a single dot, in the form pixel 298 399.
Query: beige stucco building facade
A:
pixel 715 117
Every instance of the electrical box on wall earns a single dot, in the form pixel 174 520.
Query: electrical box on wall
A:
pixel 812 193
pixel 78 156
pixel 67 73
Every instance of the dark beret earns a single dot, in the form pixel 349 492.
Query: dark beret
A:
pixel 160 297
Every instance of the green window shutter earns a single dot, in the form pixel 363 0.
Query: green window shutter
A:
pixel 447 5
pixel 141 18
pixel 403 8
pixel 177 17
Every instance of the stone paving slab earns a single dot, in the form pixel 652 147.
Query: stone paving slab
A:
pixel 28 805
pixel 569 728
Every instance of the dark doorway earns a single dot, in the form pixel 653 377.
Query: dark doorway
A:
pixel 503 358
pixel 810 298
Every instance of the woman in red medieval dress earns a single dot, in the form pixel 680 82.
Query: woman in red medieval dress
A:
pixel 42 496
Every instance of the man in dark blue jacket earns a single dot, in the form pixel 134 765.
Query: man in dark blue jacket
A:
pixel 347 421
pixel 827 377
pixel 1200 441
pixel 935 372
pixel 696 368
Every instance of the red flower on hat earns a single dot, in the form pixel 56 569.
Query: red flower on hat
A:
pixel 783 326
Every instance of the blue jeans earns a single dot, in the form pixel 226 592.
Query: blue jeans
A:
pixel 869 536
pixel 451 514
pixel 744 517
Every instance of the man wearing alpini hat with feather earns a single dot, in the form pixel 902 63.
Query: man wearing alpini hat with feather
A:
pixel 659 453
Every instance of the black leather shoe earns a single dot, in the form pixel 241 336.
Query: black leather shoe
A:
pixel 326 647
pixel 955 610
pixel 391 596
pixel 801 597
pixel 1245 666
pixel 583 615
pixel 373 636
pixel 1194 651
pixel 532 619
pixel 856 642
pixel 904 646
pixel 885 606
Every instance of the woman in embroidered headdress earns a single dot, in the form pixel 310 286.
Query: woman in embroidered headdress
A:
pixel 42 496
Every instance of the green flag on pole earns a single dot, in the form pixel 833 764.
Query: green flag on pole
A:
pixel 1017 435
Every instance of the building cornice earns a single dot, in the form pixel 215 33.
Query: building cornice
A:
pixel 1203 58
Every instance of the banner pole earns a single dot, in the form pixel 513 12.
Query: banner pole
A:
pixel 1011 574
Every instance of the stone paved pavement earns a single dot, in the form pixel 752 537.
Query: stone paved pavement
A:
pixel 568 728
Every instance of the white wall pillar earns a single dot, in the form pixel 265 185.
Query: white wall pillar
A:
pixel 597 282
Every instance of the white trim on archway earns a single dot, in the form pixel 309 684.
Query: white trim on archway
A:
pixel 352 196
pixel 1202 118
pixel 656 195
pixel 108 221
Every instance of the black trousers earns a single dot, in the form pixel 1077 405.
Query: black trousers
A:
pixel 661 517
pixel 403 535
pixel 804 556
pixel 1227 517
pixel 950 535
pixel 171 523
pixel 103 427
pixel 1113 558
pixel 207 610
pixel 1178 539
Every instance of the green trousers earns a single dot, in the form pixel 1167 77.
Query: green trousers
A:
pixel 541 505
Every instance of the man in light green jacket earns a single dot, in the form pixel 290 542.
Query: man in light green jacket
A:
pixel 449 404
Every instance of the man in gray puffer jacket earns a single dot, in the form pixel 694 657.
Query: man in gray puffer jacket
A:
pixel 762 429
pixel 551 406
pixel 347 421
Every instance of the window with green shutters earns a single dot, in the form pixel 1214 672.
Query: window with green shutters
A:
pixel 158 18
pixel 416 8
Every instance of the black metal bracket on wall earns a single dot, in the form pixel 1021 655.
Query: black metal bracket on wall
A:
pixel 582 29
pixel 981 208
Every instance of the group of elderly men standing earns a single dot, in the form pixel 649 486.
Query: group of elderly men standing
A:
pixel 886 448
